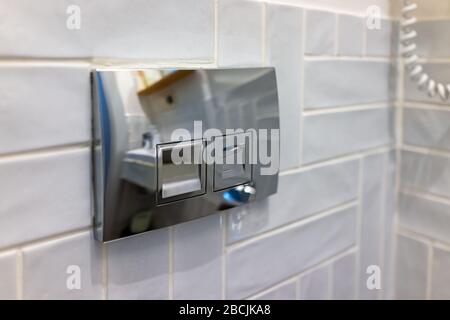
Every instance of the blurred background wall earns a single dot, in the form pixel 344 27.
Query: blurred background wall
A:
pixel 423 250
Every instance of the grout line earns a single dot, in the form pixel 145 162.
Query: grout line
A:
pixel 45 151
pixel 425 106
pixel 169 64
pixel 436 103
pixel 298 283
pixel 412 234
pixel 391 261
pixel 427 151
pixel 345 157
pixel 216 32
pixel 297 277
pixel 224 255
pixel 429 271
pixel 19 275
pixel 336 10
pixel 45 62
pixel 338 160
pixel 105 270
pixel 302 84
pixel 423 238
pixel 439 244
pixel 434 60
pixel 171 237
pixel 277 286
pixel 291 225
pixel 43 240
pixel 359 226
pixel 423 194
pixel 352 108
pixel 263 32
pixel 398 164
pixel 387 59
pixel 364 37
pixel 330 277
pixel 336 34
pixel 356 274
pixel 382 222
pixel 400 99
pixel 105 63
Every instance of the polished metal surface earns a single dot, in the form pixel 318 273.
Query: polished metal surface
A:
pixel 166 149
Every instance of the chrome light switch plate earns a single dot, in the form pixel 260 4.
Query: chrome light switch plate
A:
pixel 172 145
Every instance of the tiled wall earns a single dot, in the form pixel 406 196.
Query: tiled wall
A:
pixel 423 240
pixel 332 215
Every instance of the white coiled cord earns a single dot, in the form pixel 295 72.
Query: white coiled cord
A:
pixel 409 52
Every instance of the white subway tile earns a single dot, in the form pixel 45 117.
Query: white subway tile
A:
pixel 283 51
pixel 197 259
pixel 138 267
pixel 320 32
pixel 411 271
pixel 426 128
pixel 261 263
pixel 315 284
pixel 426 172
pixel 440 290
pixel 51 269
pixel 350 35
pixel 299 195
pixel 335 134
pixel 44 194
pixel 432 38
pixel 425 216
pixel 440 72
pixel 8 275
pixel 285 292
pixel 149 29
pixel 239 33
pixel 382 41
pixel 43 106
pixel 372 208
pixel 332 83
pixel 344 275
